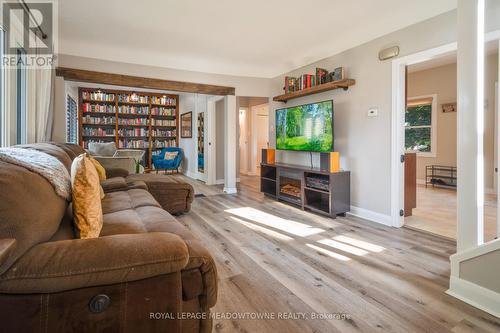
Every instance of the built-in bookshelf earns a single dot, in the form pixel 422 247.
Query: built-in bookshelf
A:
pixel 132 119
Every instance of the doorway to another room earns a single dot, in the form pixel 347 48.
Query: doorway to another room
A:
pixel 430 142
pixel 253 134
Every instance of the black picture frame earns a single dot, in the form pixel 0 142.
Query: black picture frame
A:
pixel 186 125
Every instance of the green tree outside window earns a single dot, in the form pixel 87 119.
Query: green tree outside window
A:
pixel 418 125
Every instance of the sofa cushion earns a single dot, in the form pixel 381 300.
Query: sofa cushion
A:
pixel 129 199
pixel 86 192
pixel 30 209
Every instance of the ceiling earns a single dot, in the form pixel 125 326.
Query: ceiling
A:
pixel 259 38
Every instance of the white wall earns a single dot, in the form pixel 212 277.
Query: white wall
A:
pixel 187 103
pixel 365 143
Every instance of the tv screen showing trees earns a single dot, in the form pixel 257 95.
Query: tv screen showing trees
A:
pixel 305 127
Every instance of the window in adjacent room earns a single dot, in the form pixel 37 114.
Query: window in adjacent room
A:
pixel 420 126
pixel 21 98
pixel 71 121
pixel 3 93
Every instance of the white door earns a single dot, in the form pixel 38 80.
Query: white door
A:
pixel 261 133
pixel 243 140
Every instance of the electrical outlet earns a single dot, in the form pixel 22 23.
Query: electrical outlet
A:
pixel 372 112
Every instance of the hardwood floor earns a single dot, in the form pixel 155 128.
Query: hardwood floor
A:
pixel 436 212
pixel 274 259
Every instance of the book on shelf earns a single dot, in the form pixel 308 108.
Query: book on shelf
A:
pixel 163 122
pixel 163 133
pixel 306 81
pixel 164 143
pixel 98 96
pixel 89 120
pixel 163 100
pixel 133 98
pixel 90 131
pixel 321 76
pixel 131 143
pixel 98 108
pixel 133 121
pixel 133 109
pixel 161 111
pixel 133 132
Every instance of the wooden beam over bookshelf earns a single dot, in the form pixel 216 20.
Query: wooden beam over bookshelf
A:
pixel 80 75
pixel 344 84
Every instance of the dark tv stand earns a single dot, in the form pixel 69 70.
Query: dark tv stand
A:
pixel 310 189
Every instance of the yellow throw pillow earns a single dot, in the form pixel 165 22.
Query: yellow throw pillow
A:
pixel 86 188
pixel 171 155
pixel 100 169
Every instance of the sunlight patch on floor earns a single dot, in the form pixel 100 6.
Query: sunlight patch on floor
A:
pixel 291 227
pixel 359 243
pixel 263 230
pixel 328 252
pixel 343 247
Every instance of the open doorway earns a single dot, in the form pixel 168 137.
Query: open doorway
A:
pixel 430 143
pixel 253 134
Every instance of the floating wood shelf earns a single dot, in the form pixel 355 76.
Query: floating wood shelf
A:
pixel 344 84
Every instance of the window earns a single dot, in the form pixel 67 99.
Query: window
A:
pixel 3 94
pixel 71 121
pixel 21 98
pixel 420 126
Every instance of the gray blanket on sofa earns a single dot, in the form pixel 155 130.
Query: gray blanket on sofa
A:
pixel 43 164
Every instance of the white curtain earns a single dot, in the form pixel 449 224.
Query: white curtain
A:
pixel 44 104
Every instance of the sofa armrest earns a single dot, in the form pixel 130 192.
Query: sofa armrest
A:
pixel 7 245
pixel 116 172
pixel 78 263
pixel 200 258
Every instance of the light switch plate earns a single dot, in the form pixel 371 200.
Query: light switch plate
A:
pixel 372 112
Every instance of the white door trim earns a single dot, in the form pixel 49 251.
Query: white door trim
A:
pixel 210 151
pixel 243 148
pixel 253 170
pixel 397 118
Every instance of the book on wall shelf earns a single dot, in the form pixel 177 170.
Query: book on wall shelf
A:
pixel 133 120
pixel 306 81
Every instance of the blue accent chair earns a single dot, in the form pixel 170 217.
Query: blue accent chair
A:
pixel 160 163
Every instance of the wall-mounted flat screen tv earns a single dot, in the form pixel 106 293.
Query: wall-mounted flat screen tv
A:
pixel 306 127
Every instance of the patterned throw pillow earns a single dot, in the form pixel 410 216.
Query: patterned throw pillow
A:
pixel 171 155
pixel 86 193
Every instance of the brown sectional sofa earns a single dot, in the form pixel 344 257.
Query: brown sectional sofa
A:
pixel 140 275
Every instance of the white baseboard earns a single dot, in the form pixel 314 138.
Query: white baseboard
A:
pixel 221 181
pixel 371 215
pixel 477 296
pixel 230 190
